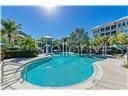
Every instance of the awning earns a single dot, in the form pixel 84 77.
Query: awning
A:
pixel 1 44
pixel 117 46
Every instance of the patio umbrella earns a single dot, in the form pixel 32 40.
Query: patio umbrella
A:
pixel 17 46
pixel 116 46
pixel 1 44
pixel 119 47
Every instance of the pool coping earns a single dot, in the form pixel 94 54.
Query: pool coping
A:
pixel 86 84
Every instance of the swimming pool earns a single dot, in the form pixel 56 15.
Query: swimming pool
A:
pixel 58 71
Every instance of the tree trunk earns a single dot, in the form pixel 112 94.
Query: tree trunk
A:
pixel 104 48
pixel 9 40
pixel 9 37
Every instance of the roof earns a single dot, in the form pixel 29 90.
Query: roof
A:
pixel 49 37
pixel 22 33
pixel 126 17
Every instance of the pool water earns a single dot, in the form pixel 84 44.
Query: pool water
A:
pixel 58 71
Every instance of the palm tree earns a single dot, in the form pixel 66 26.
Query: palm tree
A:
pixel 56 45
pixel 10 27
pixel 78 38
pixel 42 41
pixel 56 42
pixel 4 42
pixel 122 38
pixel 119 39
pixel 112 40
pixel 104 41
pixel 96 43
pixel 28 43
pixel 3 32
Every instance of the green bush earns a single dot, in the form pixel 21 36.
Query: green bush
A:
pixel 20 53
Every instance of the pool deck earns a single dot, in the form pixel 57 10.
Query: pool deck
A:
pixel 111 76
pixel 115 76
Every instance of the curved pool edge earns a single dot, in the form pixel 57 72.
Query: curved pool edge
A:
pixel 86 84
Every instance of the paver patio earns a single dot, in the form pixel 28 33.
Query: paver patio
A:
pixel 115 76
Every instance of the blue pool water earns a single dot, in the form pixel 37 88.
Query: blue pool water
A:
pixel 60 70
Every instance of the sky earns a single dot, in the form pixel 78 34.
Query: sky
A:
pixel 60 21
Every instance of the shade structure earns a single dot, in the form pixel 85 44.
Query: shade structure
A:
pixel 116 46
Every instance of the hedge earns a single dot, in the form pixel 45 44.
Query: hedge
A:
pixel 20 53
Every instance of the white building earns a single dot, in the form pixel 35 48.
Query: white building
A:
pixel 14 40
pixel 112 28
pixel 21 34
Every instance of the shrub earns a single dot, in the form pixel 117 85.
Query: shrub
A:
pixel 20 53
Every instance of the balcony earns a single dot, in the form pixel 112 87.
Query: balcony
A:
pixel 113 27
pixel 102 30
pixel 113 33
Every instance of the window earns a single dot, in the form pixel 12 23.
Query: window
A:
pixel 113 27
pixel 94 32
pixel 108 33
pixel 123 23
pixel 107 28
pixel 113 32
pixel 95 35
pixel 102 34
pixel 102 29
pixel 119 25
